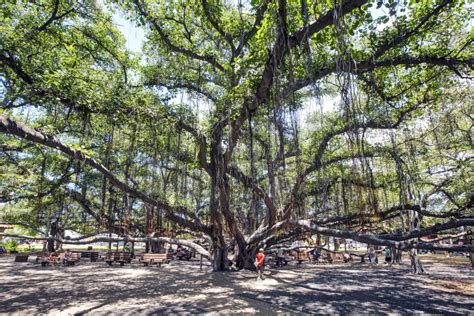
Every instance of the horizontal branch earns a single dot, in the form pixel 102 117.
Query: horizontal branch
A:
pixel 401 241
pixel 380 241
pixel 359 67
pixel 25 225
pixel 199 249
pixel 185 85
pixel 444 237
pixel 455 223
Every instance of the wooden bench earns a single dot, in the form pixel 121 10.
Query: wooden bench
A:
pixel 92 255
pixel 73 258
pixel 326 257
pixel 302 256
pixel 322 257
pixel 156 258
pixel 120 257
pixel 21 258
pixel 46 260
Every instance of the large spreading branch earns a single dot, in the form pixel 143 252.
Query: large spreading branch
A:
pixel 15 65
pixel 405 241
pixel 260 14
pixel 174 213
pixel 249 183
pixel 367 65
pixel 370 63
pixel 281 49
pixel 455 223
pixel 215 23
pixel 378 240
pixel 389 44
pixel 87 240
pixel 401 241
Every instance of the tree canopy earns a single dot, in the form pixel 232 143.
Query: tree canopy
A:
pixel 249 123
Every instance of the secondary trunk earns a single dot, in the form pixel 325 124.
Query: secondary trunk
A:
pixel 53 231
pixel 246 258
pixel 219 259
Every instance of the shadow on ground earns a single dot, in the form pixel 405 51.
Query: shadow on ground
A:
pixel 181 287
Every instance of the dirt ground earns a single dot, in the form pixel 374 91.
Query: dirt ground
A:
pixel 181 288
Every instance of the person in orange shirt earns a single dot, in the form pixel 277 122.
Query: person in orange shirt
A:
pixel 259 263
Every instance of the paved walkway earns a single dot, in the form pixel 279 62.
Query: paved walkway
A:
pixel 180 287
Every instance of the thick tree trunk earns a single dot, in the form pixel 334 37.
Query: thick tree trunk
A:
pixel 157 246
pixel 468 240
pixel 219 259
pixel 417 267
pixel 52 232
pixel 218 247
pixel 246 258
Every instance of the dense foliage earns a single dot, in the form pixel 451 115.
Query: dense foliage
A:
pixel 250 123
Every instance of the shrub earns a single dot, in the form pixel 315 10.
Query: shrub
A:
pixel 11 245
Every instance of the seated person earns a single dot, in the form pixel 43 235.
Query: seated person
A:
pixel 185 254
pixel 67 256
pixel 53 257
pixel 326 257
pixel 315 254
pixel 346 257
pixel 280 258
pixel 126 248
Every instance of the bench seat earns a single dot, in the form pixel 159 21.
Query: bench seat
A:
pixel 120 257
pixel 155 258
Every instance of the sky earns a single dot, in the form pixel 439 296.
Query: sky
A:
pixel 135 36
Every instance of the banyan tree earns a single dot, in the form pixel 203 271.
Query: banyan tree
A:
pixel 243 123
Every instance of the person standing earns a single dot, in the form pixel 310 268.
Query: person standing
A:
pixel 388 256
pixel 280 260
pixel 259 263
pixel 371 254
